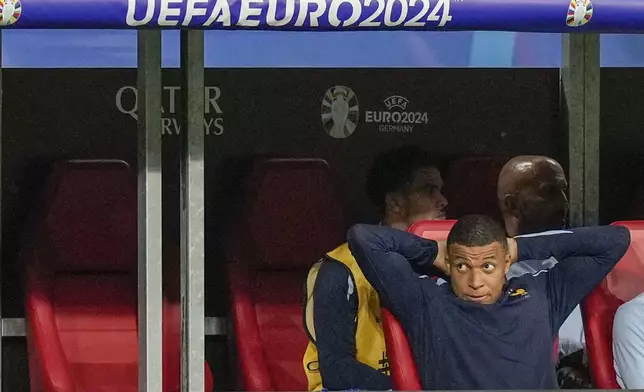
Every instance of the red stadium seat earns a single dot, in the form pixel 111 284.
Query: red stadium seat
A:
pixel 403 369
pixel 478 175
pixel 434 229
pixel 81 285
pixel 292 218
pixel 622 284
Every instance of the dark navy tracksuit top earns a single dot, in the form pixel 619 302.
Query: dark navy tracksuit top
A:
pixel 506 345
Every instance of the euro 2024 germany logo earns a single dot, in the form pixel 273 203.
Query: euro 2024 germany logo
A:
pixel 10 11
pixel 579 13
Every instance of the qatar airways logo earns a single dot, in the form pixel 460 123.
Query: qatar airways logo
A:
pixel 127 102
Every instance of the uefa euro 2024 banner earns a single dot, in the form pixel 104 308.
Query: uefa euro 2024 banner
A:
pixel 558 16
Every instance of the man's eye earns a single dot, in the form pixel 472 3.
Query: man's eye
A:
pixel 488 267
pixel 461 267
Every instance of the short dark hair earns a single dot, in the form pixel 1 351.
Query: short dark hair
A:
pixel 477 230
pixel 393 170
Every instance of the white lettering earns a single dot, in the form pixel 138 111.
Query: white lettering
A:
pixel 130 19
pixel 271 16
pixel 395 128
pixel 220 14
pixel 415 21
pixel 219 124
pixel 207 124
pixel 212 100
pixel 320 7
pixel 119 102
pixel 370 21
pixel 389 11
pixel 192 10
pixel 445 16
pixel 172 97
pixel 167 123
pixel 368 116
pixel 356 9
pixel 166 11
pixel 126 100
pixel 177 127
pixel 245 12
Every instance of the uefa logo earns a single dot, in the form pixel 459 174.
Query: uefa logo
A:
pixel 340 112
pixel 579 13
pixel 10 11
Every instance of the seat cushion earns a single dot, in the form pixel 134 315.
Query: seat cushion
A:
pixel 96 316
pixel 279 318
pixel 105 377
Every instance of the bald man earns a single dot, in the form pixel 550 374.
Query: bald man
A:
pixel 532 195
pixel 532 198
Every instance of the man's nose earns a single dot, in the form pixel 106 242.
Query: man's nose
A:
pixel 442 201
pixel 475 282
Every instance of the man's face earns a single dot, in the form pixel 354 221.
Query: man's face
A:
pixel 477 273
pixel 423 199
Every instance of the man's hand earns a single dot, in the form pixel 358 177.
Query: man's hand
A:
pixel 513 251
pixel 441 257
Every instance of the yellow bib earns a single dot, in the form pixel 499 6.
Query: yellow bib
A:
pixel 370 340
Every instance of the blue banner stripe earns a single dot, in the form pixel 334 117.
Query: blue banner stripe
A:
pixel 492 49
pixel 625 16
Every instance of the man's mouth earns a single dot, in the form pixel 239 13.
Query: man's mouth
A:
pixel 476 298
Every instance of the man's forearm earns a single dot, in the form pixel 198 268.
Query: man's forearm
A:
pixel 604 243
pixel 386 257
pixel 420 252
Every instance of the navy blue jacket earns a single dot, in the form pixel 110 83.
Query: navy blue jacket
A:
pixel 506 345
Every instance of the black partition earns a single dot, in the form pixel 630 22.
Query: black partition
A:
pixel 52 114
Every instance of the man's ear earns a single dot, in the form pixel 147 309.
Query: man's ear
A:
pixel 448 266
pixel 508 262
pixel 511 204
pixel 393 203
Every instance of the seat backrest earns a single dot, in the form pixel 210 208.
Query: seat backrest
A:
pixel 86 251
pixel 470 186
pixel 91 208
pixel 622 284
pixel 291 219
pixel 437 230
pixel 404 373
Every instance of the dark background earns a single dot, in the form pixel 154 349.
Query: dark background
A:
pixel 53 114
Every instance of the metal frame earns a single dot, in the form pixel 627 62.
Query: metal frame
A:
pixel 150 263
pixel 1 217
pixel 580 75
pixel 15 327
pixel 192 212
